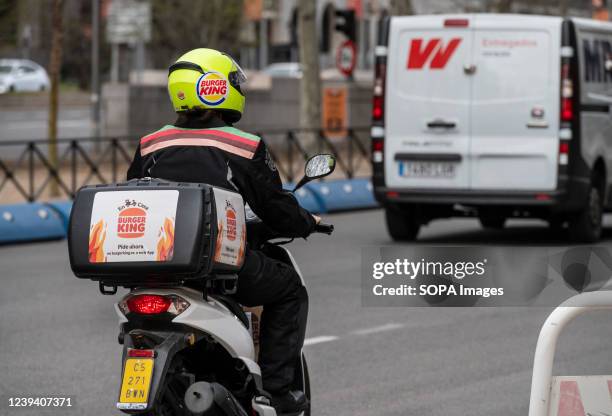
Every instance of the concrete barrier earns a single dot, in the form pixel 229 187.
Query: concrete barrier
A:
pixel 344 195
pixel 29 222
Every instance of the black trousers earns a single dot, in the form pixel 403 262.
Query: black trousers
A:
pixel 277 286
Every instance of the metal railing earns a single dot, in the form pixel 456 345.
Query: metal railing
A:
pixel 26 167
pixel 541 380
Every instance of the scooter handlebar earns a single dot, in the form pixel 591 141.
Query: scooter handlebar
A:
pixel 324 228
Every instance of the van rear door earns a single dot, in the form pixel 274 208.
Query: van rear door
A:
pixel 427 105
pixel 515 102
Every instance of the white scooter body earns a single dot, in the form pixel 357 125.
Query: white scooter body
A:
pixel 215 319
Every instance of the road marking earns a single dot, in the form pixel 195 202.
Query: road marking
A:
pixel 320 339
pixel 366 331
pixel 381 328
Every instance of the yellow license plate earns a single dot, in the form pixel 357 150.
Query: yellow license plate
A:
pixel 136 382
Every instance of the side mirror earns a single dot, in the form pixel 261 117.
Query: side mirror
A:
pixel 317 167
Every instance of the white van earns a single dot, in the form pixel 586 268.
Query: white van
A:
pixel 495 116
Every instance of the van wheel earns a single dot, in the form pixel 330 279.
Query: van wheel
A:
pixel 556 224
pixel 493 221
pixel 402 223
pixel 586 226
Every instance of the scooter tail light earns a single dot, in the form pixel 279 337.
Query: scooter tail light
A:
pixel 149 304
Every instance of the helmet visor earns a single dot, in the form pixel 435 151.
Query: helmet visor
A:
pixel 237 77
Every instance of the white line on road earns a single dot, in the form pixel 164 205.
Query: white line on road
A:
pixel 381 328
pixel 320 339
pixel 366 331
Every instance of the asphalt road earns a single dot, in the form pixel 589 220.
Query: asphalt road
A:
pixel 58 335
pixel 32 124
pixel 18 126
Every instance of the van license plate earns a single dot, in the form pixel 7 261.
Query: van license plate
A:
pixel 135 384
pixel 422 169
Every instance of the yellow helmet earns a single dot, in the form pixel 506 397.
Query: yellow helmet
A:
pixel 206 79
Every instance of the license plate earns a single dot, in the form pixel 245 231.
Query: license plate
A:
pixel 421 169
pixel 135 384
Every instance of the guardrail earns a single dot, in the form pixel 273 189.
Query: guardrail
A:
pixel 27 167
pixel 542 379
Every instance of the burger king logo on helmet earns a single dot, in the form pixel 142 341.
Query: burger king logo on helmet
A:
pixel 212 88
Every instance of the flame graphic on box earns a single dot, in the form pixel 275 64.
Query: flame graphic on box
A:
pixel 219 245
pixel 165 244
pixel 242 246
pixel 97 235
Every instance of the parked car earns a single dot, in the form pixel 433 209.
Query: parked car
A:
pixel 22 75
pixel 284 70
pixel 494 116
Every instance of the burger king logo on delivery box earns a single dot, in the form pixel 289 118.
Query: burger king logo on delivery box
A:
pixel 132 220
pixel 212 88
pixel 230 219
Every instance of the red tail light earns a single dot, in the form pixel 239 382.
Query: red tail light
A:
pixel 563 152
pixel 149 304
pixel 378 100
pixel 567 93
pixel 377 145
pixel 456 23
pixel 567 109
pixel 377 108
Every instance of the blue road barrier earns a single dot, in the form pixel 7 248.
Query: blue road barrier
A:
pixel 344 195
pixel 48 221
pixel 62 208
pixel 307 198
pixel 29 222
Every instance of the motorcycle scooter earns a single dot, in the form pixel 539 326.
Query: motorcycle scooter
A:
pixel 189 350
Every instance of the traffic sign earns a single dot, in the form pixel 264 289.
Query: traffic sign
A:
pixel 129 21
pixel 346 58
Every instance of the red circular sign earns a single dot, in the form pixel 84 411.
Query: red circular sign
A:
pixel 346 58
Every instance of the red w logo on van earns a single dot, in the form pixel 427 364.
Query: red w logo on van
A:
pixel 419 55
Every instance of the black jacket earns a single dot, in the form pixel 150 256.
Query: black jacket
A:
pixel 225 157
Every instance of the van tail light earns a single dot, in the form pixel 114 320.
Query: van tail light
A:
pixel 568 103
pixel 563 152
pixel 149 304
pixel 567 109
pixel 456 23
pixel 378 105
pixel 378 98
pixel 567 92
pixel 378 147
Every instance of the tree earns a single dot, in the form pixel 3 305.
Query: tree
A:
pixel 8 23
pixel 401 7
pixel 54 74
pixel 179 26
pixel 310 84
pixel 500 6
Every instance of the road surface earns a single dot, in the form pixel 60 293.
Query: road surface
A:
pixel 58 335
